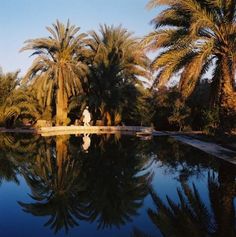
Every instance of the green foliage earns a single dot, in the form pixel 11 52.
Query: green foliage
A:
pixel 211 120
pixel 117 62
pixel 16 103
pixel 58 71
pixel 139 110
pixel 20 105
pixel 170 112
pixel 181 112
pixel 162 103
pixel 192 38
pixel 8 82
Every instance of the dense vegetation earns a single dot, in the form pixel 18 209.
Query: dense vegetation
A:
pixel 107 69
pixel 194 37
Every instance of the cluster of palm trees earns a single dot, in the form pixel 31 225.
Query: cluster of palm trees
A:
pixel 192 38
pixel 101 67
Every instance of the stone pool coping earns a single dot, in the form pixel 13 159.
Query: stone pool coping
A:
pixel 60 130
pixel 208 147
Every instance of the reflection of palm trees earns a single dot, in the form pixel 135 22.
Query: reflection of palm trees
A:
pixel 17 144
pixel 115 188
pixel 12 149
pixel 106 186
pixel 8 171
pixel 191 217
pixel 181 159
pixel 53 179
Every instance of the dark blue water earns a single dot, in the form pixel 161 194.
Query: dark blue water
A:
pixel 112 186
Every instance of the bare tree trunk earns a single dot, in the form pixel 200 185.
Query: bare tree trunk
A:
pixel 62 102
pixel 227 96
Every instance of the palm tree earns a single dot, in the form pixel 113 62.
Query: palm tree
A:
pixel 117 62
pixel 195 36
pixel 8 83
pixel 20 104
pixel 59 67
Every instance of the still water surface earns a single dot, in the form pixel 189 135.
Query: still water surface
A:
pixel 112 186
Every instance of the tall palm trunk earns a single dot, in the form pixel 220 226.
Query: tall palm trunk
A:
pixel 62 102
pixel 227 101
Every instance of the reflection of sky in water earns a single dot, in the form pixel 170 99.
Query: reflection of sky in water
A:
pixel 15 222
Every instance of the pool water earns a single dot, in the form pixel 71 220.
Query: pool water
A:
pixel 112 185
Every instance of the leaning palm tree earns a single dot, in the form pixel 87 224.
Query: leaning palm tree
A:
pixel 59 67
pixel 117 62
pixel 194 36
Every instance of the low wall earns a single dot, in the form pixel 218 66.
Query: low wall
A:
pixel 59 130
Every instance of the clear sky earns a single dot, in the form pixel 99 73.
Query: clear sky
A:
pixel 26 19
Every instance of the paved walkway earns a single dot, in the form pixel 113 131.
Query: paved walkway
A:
pixel 208 147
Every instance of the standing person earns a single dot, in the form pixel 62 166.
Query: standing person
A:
pixel 86 116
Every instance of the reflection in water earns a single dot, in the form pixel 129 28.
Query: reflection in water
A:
pixel 11 150
pixel 105 179
pixel 53 179
pixel 114 187
pixel 191 217
pixel 181 160
pixel 8 171
pixel 105 187
pixel 86 142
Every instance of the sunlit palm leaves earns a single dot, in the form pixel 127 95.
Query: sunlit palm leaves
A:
pixel 8 82
pixel 21 104
pixel 58 69
pixel 116 64
pixel 193 36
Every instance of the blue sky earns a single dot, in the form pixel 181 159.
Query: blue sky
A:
pixel 26 19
